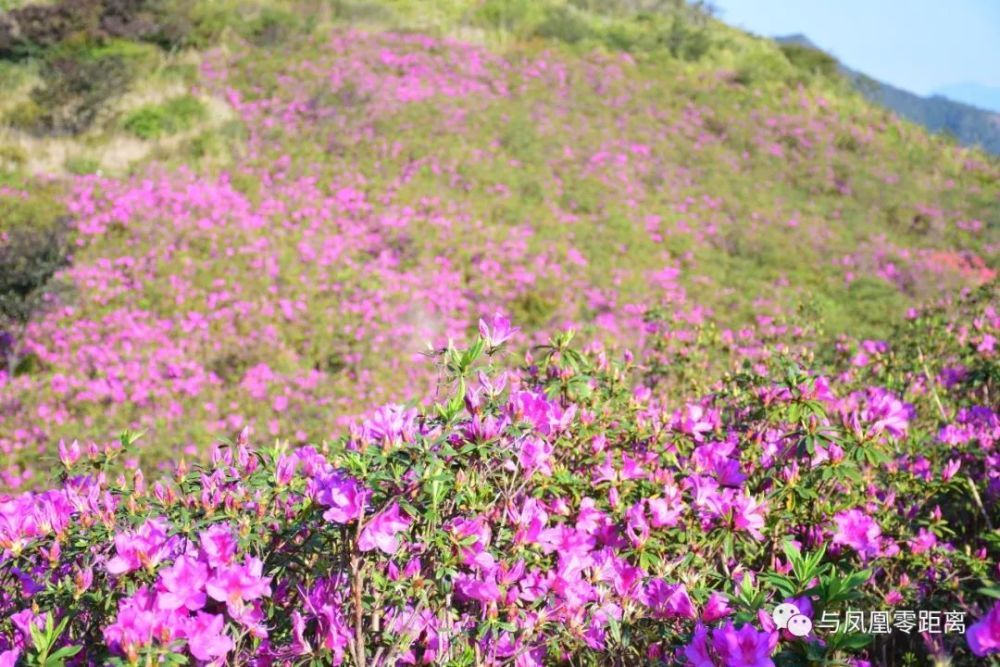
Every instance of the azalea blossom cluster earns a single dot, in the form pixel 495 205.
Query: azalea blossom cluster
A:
pixel 541 512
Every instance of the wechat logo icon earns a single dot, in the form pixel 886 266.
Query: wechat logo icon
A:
pixel 787 616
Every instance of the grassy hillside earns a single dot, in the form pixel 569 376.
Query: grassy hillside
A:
pixel 373 189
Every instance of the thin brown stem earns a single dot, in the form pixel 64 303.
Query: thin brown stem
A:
pixel 979 502
pixel 357 581
pixel 932 383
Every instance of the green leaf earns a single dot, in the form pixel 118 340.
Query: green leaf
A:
pixel 993 592
pixel 856 641
pixel 792 553
pixel 784 585
pixel 473 353
pixel 62 654
pixel 468 541
pixel 61 627
pixel 38 640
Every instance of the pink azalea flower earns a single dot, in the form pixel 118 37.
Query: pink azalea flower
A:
pixel 705 491
pixel 668 600
pixel 531 520
pixel 859 531
pixel 474 554
pixel 605 472
pixel 886 413
pixel 145 547
pixel 666 511
pixel 694 421
pixel 924 541
pixel 569 543
pixel 536 456
pixel 626 579
pixel 636 526
pixel 24 620
pixel 218 544
pixel 251 617
pixel 139 624
pixel 206 636
pixel 532 406
pixel 748 515
pixel 497 332
pixel 950 469
pixel 131 631
pixel 236 585
pixel 285 469
pixel 300 645
pixel 391 425
pixel 381 531
pixel 82 580
pixel 631 468
pixel 345 497
pixel 717 607
pixel 182 585
pixel 589 519
pixel 697 652
pixel 69 455
pixel 729 473
pixel 984 637
pixel 744 647
pixel 482 590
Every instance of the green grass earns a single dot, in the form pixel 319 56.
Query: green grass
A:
pixel 81 164
pixel 154 121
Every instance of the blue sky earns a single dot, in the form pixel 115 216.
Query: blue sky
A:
pixel 918 45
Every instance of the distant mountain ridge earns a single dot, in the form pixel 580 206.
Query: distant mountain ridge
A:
pixel 970 125
pixel 977 95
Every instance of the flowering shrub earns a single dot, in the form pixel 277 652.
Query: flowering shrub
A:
pixel 536 515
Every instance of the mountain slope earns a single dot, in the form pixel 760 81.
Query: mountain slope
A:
pixel 970 125
pixel 647 180
pixel 983 97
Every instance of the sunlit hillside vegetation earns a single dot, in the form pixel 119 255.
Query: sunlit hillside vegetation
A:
pixel 309 192
pixel 317 224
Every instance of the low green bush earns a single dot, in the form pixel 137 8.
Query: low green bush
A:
pixel 74 92
pixel 517 17
pixel 12 158
pixel 80 165
pixel 272 26
pixel 564 24
pixel 153 121
pixel 77 83
pixel 812 61
pixel 33 247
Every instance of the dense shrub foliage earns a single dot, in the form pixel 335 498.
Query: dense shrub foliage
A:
pixel 74 93
pixel 33 248
pixel 34 29
pixel 553 512
pixel 811 60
